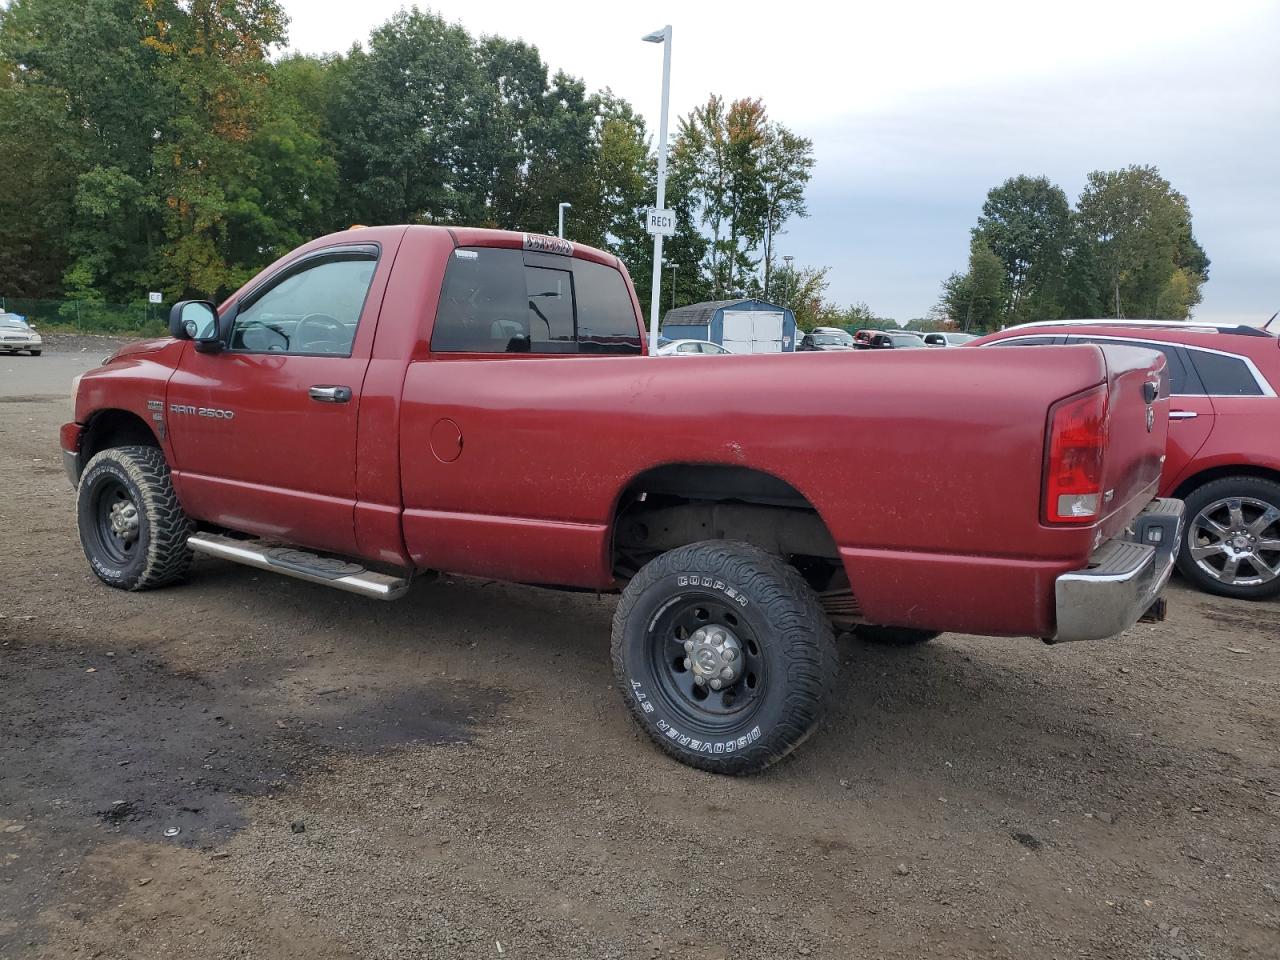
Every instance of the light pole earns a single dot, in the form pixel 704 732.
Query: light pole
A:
pixel 791 281
pixel 672 267
pixel 563 208
pixel 663 37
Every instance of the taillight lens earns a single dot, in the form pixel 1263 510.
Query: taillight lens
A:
pixel 1073 475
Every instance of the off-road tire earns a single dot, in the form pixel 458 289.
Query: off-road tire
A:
pixel 784 623
pixel 160 554
pixel 894 636
pixel 1267 491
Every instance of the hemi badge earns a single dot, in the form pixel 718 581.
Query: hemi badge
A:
pixel 155 404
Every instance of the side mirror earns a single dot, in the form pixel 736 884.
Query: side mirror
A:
pixel 194 320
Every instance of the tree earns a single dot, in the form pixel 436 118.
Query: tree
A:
pixel 744 177
pixel 213 55
pixel 1137 229
pixel 785 168
pixel 1026 222
pixel 975 300
pixel 406 121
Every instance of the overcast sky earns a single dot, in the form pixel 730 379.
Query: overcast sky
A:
pixel 917 109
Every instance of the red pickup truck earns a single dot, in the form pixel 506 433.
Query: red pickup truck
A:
pixel 393 400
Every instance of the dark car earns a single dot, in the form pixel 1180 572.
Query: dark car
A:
pixel 882 340
pixel 1222 456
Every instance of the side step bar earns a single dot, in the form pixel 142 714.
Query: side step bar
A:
pixel 326 571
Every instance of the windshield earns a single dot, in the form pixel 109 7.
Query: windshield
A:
pixel 9 320
pixel 903 340
pixel 828 340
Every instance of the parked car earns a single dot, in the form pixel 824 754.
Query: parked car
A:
pixel 883 340
pixel 691 348
pixel 825 341
pixel 1223 456
pixel 390 400
pixel 938 339
pixel 844 336
pixel 16 334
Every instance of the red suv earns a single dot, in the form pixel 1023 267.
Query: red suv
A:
pixel 1223 456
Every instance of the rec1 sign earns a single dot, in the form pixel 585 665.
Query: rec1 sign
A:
pixel 661 222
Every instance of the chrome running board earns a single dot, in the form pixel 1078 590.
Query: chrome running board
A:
pixel 302 565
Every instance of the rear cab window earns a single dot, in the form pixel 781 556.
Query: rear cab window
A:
pixel 499 300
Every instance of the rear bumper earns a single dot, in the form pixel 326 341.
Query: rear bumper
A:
pixel 1123 579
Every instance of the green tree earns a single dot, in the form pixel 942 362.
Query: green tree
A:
pixel 406 122
pixel 975 300
pixel 1137 229
pixel 786 165
pixel 1026 222
pixel 213 55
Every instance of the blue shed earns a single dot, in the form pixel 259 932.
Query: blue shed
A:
pixel 743 326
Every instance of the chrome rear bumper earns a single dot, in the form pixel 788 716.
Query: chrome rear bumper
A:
pixel 1124 577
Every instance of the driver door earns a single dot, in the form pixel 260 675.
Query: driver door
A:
pixel 264 431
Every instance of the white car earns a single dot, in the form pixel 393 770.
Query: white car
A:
pixel 948 339
pixel 16 334
pixel 690 348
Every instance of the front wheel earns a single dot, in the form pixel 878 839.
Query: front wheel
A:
pixel 35 353
pixel 132 528
pixel 1232 542
pixel 724 655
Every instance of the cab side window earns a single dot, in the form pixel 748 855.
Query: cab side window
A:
pixel 313 310
pixel 497 300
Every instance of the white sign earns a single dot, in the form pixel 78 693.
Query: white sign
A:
pixel 155 297
pixel 661 222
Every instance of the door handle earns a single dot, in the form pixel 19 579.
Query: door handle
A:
pixel 1182 414
pixel 328 394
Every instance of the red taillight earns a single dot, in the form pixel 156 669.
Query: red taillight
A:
pixel 1073 473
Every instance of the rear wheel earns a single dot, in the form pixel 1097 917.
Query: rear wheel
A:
pixel 1232 542
pixel 132 528
pixel 724 655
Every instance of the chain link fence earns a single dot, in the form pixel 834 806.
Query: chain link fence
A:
pixel 82 316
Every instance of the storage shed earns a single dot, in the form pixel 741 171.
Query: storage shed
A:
pixel 743 326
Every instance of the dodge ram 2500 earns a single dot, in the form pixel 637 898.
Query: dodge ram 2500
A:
pixel 396 400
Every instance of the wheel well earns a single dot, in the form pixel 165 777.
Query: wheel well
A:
pixel 1219 473
pixel 670 506
pixel 115 428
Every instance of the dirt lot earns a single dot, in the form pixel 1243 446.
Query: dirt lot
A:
pixel 453 776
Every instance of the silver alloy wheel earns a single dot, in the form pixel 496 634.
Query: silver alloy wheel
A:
pixel 1236 540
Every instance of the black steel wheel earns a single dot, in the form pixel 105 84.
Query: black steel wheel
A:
pixel 724 655
pixel 132 528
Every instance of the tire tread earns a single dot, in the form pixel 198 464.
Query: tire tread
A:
pixel 804 632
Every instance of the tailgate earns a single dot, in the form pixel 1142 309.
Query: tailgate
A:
pixel 1136 432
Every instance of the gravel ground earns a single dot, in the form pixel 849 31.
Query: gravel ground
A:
pixel 453 776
